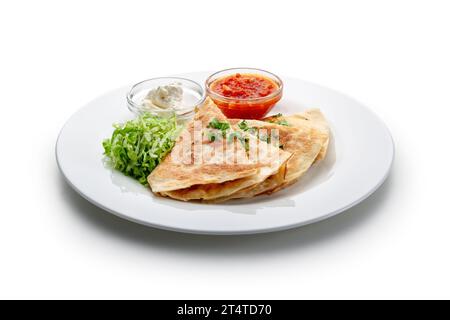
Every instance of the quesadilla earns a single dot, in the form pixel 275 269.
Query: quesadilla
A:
pixel 303 143
pixel 312 119
pixel 199 178
pixel 212 159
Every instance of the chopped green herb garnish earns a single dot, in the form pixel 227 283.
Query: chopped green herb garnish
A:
pixel 246 143
pixel 243 125
pixel 212 136
pixel 222 126
pixel 216 124
pixel 234 135
pixel 283 123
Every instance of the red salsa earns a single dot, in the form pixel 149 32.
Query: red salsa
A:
pixel 244 86
pixel 245 95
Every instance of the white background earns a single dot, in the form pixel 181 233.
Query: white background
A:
pixel 394 56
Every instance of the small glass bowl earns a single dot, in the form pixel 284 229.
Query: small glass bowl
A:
pixel 193 96
pixel 250 108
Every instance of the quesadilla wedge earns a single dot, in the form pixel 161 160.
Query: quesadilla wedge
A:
pixel 311 118
pixel 205 180
pixel 302 143
pixel 184 166
pixel 210 192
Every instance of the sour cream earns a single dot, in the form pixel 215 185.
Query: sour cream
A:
pixel 165 97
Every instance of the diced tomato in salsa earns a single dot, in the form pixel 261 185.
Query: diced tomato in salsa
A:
pixel 244 86
pixel 245 96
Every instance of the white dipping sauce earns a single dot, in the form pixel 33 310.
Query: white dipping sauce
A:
pixel 165 97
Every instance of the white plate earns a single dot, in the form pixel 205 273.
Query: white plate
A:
pixel 359 160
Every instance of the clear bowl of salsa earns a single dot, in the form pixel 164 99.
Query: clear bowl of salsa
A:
pixel 244 93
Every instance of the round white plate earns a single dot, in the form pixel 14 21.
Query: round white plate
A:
pixel 358 162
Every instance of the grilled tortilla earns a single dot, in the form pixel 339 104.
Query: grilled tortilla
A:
pixel 223 190
pixel 173 174
pixel 311 119
pixel 303 143
pixel 203 181
pixel 303 140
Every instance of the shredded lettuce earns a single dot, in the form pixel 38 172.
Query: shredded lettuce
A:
pixel 138 146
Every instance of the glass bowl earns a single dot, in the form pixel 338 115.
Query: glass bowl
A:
pixel 245 108
pixel 193 95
